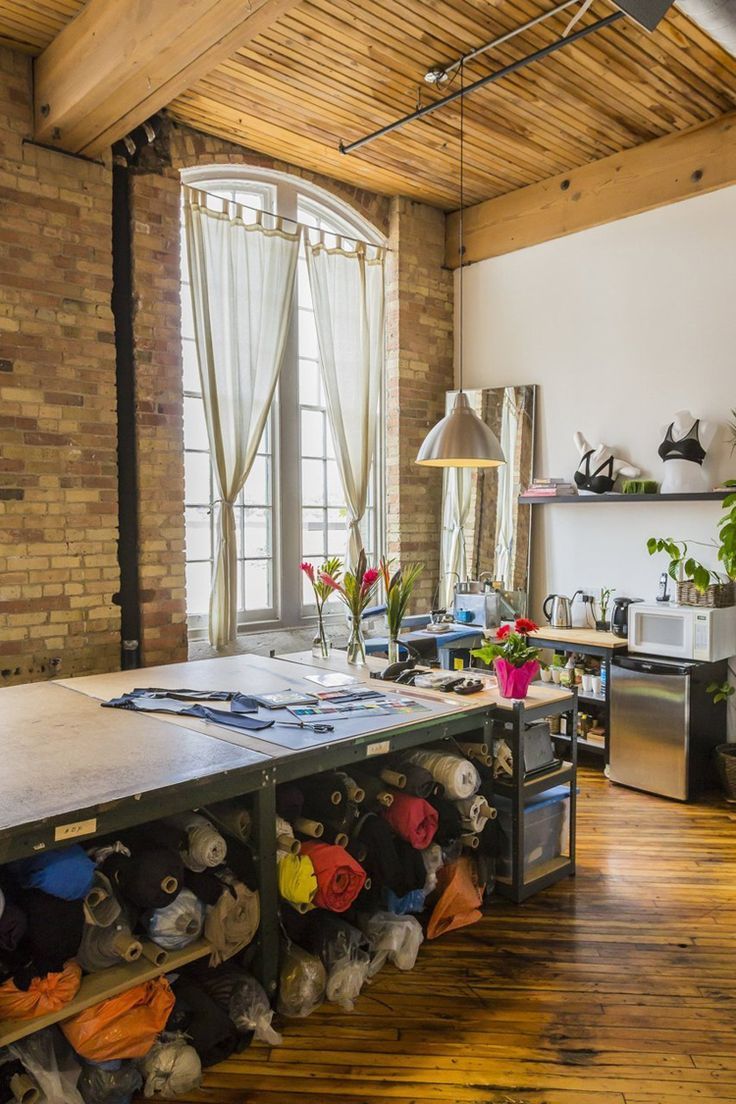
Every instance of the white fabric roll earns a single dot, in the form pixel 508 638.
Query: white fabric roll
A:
pixel 470 811
pixel 456 773
pixel 178 924
pixel 205 846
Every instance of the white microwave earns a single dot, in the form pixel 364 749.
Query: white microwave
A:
pixel 683 632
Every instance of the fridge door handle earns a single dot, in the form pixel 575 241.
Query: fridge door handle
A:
pixel 650 666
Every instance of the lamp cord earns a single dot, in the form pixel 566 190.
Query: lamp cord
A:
pixel 460 219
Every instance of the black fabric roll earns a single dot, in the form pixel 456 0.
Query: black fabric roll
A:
pixel 340 819
pixel 373 786
pixel 450 826
pixel 139 877
pixel 207 886
pixel 159 833
pixel 419 781
pixel 218 982
pixel 414 872
pixel 13 926
pixel 383 863
pixel 210 1030
pixel 329 936
pixel 289 801
pixel 318 793
pixel 54 930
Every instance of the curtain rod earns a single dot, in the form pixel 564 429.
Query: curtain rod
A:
pixel 287 218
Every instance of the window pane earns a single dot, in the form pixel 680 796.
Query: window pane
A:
pixel 257 584
pixel 187 319
pixel 313 538
pixel 257 532
pixel 313 433
pixel 195 430
pixel 308 346
pixel 192 381
pixel 197 478
pixel 310 390
pixel 337 539
pixel 335 495
pixel 239 514
pixel 198 533
pixel 198 588
pixel 255 492
pixel 313 488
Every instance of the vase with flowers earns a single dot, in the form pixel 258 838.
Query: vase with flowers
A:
pixel 514 659
pixel 321 644
pixel 398 587
pixel 356 590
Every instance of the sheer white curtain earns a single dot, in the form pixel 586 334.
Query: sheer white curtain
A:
pixel 348 295
pixel 242 283
pixel 457 496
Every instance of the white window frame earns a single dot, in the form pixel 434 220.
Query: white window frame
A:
pixel 282 193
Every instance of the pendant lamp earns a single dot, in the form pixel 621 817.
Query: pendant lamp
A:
pixel 461 439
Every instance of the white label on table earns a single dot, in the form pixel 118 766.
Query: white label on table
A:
pixel 380 748
pixel 72 831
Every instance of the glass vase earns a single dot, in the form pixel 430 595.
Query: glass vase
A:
pixel 321 645
pixel 356 643
pixel 394 649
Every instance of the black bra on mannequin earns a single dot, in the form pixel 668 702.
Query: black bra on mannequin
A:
pixel 683 448
pixel 595 482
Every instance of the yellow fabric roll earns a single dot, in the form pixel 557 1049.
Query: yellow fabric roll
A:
pixel 297 880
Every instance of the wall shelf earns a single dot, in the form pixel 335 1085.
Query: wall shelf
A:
pixel 703 496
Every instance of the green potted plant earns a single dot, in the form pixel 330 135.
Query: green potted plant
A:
pixel 602 602
pixel 514 660
pixel 321 644
pixel 356 591
pixel 698 585
pixel 398 588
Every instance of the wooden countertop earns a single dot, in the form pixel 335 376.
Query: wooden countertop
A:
pixel 582 637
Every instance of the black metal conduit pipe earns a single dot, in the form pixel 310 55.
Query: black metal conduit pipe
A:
pixel 514 67
pixel 128 597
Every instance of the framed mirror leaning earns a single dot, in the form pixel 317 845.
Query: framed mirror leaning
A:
pixel 486 532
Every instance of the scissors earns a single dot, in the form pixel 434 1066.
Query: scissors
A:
pixel 314 726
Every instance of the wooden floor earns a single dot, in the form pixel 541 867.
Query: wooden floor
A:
pixel 616 987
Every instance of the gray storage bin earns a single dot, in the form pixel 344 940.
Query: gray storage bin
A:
pixel 545 829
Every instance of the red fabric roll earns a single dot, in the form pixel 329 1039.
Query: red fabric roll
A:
pixel 339 877
pixel 412 818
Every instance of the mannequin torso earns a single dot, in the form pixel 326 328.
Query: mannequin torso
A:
pixel 598 461
pixel 687 440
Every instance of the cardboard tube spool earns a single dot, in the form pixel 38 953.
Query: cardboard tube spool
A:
pixel 24 1090
pixel 488 811
pixel 128 948
pixel 341 839
pixel 335 797
pixel 169 884
pixel 385 798
pixel 367 883
pixel 288 844
pixel 355 793
pixel 307 827
pixel 470 840
pixel 360 853
pixel 302 907
pixel 474 751
pixel 393 778
pixel 155 954
pixel 95 897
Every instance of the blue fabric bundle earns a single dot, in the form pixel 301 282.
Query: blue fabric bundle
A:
pixel 66 873
pixel 410 902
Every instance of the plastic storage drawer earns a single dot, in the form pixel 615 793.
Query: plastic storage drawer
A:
pixel 545 819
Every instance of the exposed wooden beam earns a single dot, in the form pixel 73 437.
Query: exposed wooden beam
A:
pixel 120 61
pixel 700 159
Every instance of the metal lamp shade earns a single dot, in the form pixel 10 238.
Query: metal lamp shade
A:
pixel 461 440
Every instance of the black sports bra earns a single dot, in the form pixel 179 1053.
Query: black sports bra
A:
pixel 595 482
pixel 683 448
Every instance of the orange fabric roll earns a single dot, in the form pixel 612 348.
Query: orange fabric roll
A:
pixel 125 1026
pixel 45 994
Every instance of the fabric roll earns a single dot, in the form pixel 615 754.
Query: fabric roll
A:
pixel 249 1009
pixel 232 922
pixel 13 925
pixel 205 846
pixel 44 995
pixel 54 929
pixel 2 902
pixel 340 821
pixel 144 876
pixel 402 906
pixel 323 793
pixel 345 952
pixel 339 877
pixel 208 1028
pixel 204 884
pixel 302 982
pixel 235 816
pixel 178 924
pixel 10 1071
pixel 109 1082
pixel 66 873
pixel 456 773
pixel 450 824
pixel 289 801
pixel 413 819
pixel 284 832
pixel 109 946
pixel 471 813
pixel 101 906
pixel 419 781
pixel 394 939
pixel 382 861
pixel 123 1026
pixel 377 793
pixel 432 859
pixel 171 1068
pixel 460 898
pixel 297 879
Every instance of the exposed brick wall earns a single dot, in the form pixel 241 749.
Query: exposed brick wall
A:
pixel 58 480
pixel 419 371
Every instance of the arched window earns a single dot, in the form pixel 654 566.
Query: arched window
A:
pixel 292 506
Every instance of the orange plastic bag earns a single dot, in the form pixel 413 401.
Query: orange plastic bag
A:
pixel 125 1026
pixel 460 897
pixel 45 994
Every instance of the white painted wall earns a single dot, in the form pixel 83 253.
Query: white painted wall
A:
pixel 620 327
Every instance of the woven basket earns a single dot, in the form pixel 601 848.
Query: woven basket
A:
pixel 726 763
pixel 717 596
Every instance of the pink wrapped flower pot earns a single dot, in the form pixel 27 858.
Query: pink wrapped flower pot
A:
pixel 513 682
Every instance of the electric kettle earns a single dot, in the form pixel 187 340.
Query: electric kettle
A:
pixel 558 611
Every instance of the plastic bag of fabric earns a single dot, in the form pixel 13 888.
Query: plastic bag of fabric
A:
pixel 178 924
pixel 109 1083
pixel 250 1011
pixel 395 939
pixel 433 860
pixel 345 953
pixel 125 1026
pixel 49 993
pixel 171 1068
pixel 51 1063
pixel 303 983
pixel 460 898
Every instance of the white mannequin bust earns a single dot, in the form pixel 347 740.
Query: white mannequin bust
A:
pixel 683 476
pixel 599 462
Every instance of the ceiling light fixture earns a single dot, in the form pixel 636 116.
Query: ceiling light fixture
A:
pixel 461 439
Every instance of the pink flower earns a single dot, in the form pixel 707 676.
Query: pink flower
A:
pixel 308 570
pixel 370 578
pixel 328 581
pixel 503 632
pixel 524 625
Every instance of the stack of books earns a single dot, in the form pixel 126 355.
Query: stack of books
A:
pixel 550 487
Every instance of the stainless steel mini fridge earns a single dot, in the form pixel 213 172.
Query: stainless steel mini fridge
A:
pixel 664 725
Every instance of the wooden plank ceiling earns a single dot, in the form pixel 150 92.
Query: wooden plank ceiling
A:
pixel 335 69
